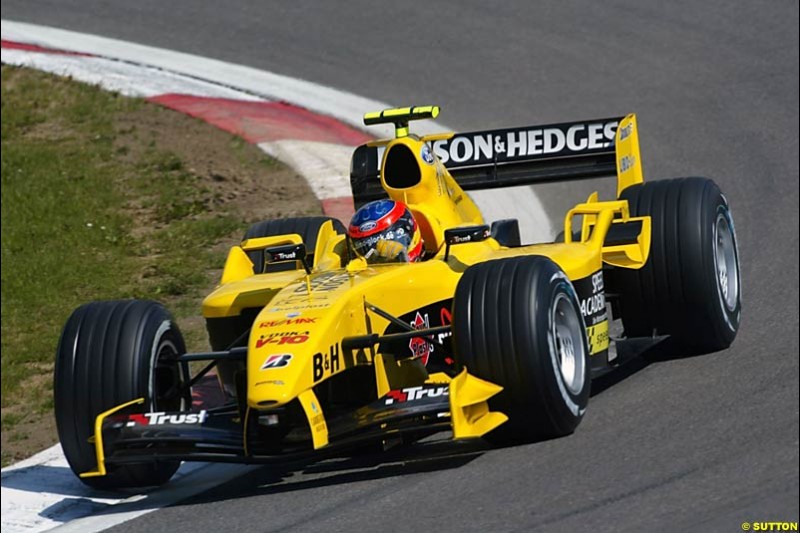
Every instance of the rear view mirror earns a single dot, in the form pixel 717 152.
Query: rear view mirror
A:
pixel 287 252
pixel 463 235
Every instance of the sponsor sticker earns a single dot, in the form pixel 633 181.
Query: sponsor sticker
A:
pixel 411 394
pixel 506 145
pixel 284 256
pixel 162 418
pixel 287 322
pixel 625 132
pixel 626 163
pixel 434 350
pixel 301 302
pixel 598 337
pixel 280 360
pixel 277 382
pixel 420 347
pixel 591 292
pixel 327 281
pixel 592 298
pixel 283 337
pixel 593 305
pixel 426 155
pixel 367 226
pixel 325 363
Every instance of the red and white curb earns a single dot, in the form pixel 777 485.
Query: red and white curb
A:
pixel 316 146
pixel 308 126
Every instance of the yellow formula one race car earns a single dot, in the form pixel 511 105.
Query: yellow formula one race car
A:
pixel 319 347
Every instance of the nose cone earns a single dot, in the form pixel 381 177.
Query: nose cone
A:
pixel 277 356
pixel 280 373
pixel 293 343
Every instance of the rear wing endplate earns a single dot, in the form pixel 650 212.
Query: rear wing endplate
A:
pixel 520 156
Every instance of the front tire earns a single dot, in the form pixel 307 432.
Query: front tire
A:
pixel 517 323
pixel 110 353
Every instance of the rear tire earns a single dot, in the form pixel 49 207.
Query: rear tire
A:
pixel 110 353
pixel 517 323
pixel 307 227
pixel 690 286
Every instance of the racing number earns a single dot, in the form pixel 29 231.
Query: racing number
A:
pixel 322 363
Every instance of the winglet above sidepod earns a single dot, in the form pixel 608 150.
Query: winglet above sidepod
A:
pixel 469 411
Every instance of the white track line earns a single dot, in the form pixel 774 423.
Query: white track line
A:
pixel 122 77
pixel 200 480
pixel 322 164
pixel 41 492
pixel 347 107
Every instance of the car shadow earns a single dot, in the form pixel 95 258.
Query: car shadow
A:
pixel 436 453
pixel 636 355
pixel 420 457
pixel 433 454
pixel 424 456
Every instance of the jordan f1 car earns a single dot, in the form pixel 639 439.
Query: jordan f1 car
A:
pixel 318 351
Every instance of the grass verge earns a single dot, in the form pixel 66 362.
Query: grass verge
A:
pixel 107 197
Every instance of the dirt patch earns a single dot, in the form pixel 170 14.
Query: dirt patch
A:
pixel 224 175
pixel 232 173
pixel 28 431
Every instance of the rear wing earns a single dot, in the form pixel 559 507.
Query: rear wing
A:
pixel 520 156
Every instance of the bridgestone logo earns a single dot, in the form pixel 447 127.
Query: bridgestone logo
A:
pixel 277 361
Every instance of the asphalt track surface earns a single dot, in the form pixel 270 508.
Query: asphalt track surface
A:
pixel 670 443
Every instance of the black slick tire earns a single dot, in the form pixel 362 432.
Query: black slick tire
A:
pixel 109 353
pixel 505 316
pixel 690 286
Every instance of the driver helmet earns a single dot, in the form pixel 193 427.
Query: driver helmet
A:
pixel 384 231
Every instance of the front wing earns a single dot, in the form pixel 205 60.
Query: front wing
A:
pixel 222 434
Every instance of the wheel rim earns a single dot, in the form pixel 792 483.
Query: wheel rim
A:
pixel 570 350
pixel 167 379
pixel 726 264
